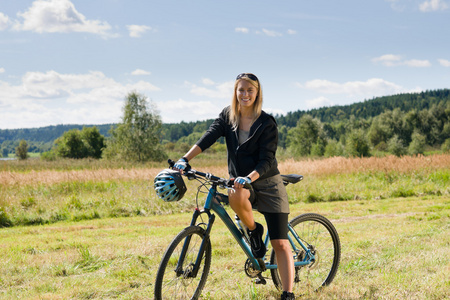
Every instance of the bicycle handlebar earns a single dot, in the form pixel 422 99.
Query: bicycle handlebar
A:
pixel 191 174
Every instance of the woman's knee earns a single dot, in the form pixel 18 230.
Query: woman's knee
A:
pixel 238 196
pixel 280 245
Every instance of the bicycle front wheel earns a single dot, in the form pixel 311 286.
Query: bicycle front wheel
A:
pixel 176 278
pixel 318 234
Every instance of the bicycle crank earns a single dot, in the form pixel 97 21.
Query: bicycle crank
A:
pixel 250 270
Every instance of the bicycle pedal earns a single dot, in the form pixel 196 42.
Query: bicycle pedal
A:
pixel 260 280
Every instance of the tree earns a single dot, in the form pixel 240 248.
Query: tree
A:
pixel 70 145
pixel 22 150
pixel 333 148
pixel 305 135
pixel 137 138
pixel 446 146
pixel 93 141
pixel 379 132
pixel 396 147
pixel 418 143
pixel 357 143
pixel 80 144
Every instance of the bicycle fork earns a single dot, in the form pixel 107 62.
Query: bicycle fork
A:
pixel 195 267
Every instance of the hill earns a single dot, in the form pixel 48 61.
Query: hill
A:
pixel 45 134
pixel 41 139
pixel 371 108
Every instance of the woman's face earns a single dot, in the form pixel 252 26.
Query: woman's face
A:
pixel 246 93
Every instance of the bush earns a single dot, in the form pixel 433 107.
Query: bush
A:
pixel 49 156
pixel 446 146
pixel 357 144
pixel 22 150
pixel 80 144
pixel 333 148
pixel 382 146
pixel 418 143
pixel 318 149
pixel 5 221
pixel 396 147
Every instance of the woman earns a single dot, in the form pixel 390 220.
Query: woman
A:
pixel 251 136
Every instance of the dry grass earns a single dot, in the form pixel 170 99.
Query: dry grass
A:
pixel 342 165
pixel 50 177
pixel 328 166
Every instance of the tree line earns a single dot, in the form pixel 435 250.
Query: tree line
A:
pixel 399 124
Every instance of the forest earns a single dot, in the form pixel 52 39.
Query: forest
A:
pixel 400 124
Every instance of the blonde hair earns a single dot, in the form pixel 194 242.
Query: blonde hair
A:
pixel 234 111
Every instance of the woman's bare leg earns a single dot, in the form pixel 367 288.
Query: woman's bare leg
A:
pixel 239 202
pixel 285 262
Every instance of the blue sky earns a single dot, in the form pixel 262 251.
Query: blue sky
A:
pixel 74 61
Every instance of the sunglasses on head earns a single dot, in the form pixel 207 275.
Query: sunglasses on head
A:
pixel 248 75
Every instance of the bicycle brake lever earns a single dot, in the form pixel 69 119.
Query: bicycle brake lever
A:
pixel 171 163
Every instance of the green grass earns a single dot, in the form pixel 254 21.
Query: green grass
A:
pixel 84 199
pixel 95 238
pixel 391 249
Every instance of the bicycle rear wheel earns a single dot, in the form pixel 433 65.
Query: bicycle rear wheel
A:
pixel 178 283
pixel 319 235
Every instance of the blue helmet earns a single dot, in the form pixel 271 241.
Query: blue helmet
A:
pixel 169 185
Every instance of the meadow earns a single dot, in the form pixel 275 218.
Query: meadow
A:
pixel 95 229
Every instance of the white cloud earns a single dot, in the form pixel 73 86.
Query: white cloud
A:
pixel 271 33
pixel 136 31
pixel 444 62
pixel 241 29
pixel 2 70
pixel 191 110
pixel 369 88
pixel 391 60
pixel 388 60
pixel 207 81
pixel 417 63
pixel 397 5
pixel 433 5
pixel 59 16
pixel 264 31
pixel 318 102
pixel 138 72
pixel 4 21
pixel 42 99
pixel 214 90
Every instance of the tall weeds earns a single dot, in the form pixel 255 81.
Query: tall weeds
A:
pixel 42 196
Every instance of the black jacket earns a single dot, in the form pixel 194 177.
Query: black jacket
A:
pixel 256 153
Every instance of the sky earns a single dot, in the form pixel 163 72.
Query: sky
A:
pixel 75 61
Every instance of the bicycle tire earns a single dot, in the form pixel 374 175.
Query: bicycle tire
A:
pixel 171 284
pixel 318 231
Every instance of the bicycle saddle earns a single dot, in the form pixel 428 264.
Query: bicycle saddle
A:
pixel 292 178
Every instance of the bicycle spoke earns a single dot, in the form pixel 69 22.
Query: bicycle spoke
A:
pixel 175 279
pixel 318 235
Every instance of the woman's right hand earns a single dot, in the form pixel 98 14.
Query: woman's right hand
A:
pixel 180 165
pixel 241 182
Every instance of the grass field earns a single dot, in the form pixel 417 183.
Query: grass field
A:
pixel 94 230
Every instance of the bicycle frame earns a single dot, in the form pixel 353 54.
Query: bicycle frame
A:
pixel 213 204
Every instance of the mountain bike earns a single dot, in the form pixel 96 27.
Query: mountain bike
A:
pixel 185 265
